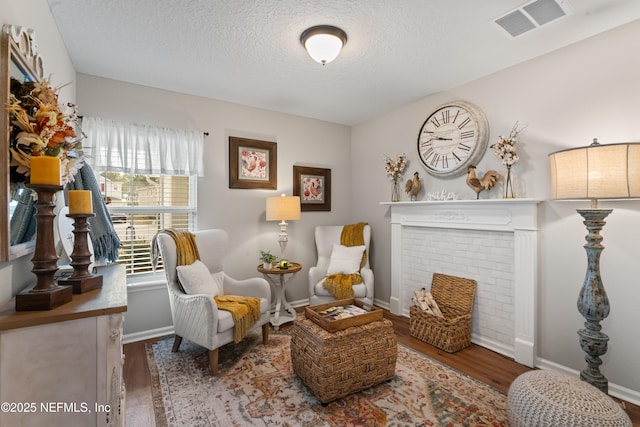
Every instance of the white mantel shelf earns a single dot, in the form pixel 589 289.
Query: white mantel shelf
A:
pixel 518 216
pixel 468 201
pixel 487 214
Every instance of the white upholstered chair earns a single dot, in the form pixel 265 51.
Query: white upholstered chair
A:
pixel 196 317
pixel 326 236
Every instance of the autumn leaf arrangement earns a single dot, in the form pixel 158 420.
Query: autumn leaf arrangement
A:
pixel 40 127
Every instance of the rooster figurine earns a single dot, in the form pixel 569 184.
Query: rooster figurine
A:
pixel 478 185
pixel 413 186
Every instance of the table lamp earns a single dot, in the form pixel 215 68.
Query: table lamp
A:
pixel 283 208
pixel 595 172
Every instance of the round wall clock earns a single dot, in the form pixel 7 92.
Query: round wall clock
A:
pixel 453 137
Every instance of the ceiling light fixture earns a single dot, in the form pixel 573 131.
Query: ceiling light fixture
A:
pixel 323 42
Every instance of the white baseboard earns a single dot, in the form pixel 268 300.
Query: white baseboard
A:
pixel 492 345
pixel 145 335
pixel 616 390
pixel 381 304
pixel 299 303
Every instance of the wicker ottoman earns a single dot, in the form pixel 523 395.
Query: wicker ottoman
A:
pixel 547 398
pixel 336 364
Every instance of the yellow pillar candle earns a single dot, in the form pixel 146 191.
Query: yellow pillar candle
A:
pixel 80 202
pixel 45 170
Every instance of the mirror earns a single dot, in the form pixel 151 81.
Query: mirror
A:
pixel 20 63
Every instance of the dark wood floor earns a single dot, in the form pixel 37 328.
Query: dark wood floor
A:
pixel 478 362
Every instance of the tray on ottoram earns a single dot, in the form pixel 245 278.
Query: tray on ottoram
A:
pixel 342 314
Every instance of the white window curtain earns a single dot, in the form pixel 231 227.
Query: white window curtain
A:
pixel 141 149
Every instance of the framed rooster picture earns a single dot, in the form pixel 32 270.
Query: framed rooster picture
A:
pixel 252 163
pixel 313 185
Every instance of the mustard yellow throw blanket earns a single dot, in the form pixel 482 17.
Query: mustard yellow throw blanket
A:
pixel 244 310
pixel 340 286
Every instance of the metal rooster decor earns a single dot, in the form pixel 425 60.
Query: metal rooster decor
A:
pixel 478 185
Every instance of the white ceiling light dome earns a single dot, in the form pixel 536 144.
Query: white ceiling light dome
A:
pixel 323 42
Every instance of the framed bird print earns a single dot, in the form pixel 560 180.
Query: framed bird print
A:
pixel 313 185
pixel 252 163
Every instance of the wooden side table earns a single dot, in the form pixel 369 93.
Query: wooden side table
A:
pixel 282 311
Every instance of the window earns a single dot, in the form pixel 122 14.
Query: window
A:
pixel 148 179
pixel 142 205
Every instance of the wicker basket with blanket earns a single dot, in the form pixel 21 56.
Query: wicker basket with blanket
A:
pixel 452 332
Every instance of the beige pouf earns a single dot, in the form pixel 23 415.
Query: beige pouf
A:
pixel 547 398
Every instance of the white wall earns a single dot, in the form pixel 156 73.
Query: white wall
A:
pixel 241 212
pixel 566 98
pixel 16 275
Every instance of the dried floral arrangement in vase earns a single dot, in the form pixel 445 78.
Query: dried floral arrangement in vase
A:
pixel 505 149
pixel 395 168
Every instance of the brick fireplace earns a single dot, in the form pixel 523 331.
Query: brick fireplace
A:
pixel 493 241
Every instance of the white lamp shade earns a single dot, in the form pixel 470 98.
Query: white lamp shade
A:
pixel 609 171
pixel 283 208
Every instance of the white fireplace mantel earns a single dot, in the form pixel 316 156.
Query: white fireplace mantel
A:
pixel 518 216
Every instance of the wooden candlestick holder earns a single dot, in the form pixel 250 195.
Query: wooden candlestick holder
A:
pixel 82 280
pixel 46 294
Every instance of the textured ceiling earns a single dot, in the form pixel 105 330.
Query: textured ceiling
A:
pixel 248 51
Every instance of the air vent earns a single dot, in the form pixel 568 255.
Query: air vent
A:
pixel 544 11
pixel 531 15
pixel 515 23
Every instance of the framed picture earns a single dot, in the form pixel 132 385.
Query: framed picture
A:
pixel 313 185
pixel 252 163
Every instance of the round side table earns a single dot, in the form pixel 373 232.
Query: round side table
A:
pixel 282 311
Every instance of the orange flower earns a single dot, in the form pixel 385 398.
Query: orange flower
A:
pixel 56 138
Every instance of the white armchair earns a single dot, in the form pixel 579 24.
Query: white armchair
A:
pixel 326 236
pixel 196 317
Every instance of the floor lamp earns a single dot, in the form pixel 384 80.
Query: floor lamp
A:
pixel 283 208
pixel 595 172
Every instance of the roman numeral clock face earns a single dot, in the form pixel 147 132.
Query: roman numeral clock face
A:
pixel 453 137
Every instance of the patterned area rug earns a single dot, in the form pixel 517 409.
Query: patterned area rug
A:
pixel 256 386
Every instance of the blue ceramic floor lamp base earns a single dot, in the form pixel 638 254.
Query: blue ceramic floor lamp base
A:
pixel 593 303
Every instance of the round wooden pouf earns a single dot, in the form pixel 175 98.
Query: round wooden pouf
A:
pixel 547 398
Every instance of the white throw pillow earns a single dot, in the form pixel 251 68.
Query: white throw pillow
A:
pixel 196 279
pixel 345 259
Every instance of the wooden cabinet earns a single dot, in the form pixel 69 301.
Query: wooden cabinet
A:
pixel 63 367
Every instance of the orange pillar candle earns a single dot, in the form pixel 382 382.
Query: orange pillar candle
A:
pixel 45 170
pixel 80 202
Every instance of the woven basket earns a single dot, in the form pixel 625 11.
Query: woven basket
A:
pixel 336 364
pixel 454 295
